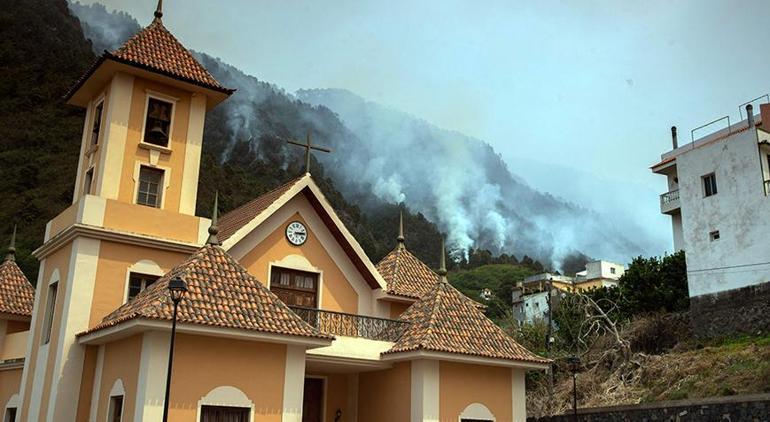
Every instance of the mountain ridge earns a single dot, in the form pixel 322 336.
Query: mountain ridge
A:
pixel 479 202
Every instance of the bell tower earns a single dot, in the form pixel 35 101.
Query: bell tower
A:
pixel 132 216
pixel 146 104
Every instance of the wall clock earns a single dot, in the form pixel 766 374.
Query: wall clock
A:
pixel 296 233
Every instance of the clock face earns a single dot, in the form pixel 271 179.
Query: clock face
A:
pixel 296 233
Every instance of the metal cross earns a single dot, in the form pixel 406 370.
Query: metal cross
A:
pixel 308 146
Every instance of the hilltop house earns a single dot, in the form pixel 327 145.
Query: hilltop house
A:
pixel 285 317
pixel 718 188
pixel 530 297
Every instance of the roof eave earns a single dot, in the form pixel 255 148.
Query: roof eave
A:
pixel 466 358
pixel 216 94
pixel 139 325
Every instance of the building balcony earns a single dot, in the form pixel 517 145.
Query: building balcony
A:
pixel 669 202
pixel 351 325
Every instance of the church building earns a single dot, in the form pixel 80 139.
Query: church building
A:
pixel 284 317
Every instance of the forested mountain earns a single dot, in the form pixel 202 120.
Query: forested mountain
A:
pixel 43 52
pixel 383 156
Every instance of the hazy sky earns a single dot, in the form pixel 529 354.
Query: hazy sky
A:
pixel 577 96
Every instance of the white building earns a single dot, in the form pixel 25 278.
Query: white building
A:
pixel 530 297
pixel 718 201
pixel 600 273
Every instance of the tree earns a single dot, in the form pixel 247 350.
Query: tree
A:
pixel 654 284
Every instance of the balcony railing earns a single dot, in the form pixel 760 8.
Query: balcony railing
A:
pixel 669 201
pixel 350 325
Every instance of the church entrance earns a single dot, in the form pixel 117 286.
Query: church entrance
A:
pixel 312 402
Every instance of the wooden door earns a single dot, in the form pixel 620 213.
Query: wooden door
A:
pixel 312 402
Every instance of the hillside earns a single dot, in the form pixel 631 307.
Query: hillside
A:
pixel 686 370
pixel 42 53
pixel 383 156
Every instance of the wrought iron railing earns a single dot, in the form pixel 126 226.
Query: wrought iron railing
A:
pixel 351 325
pixel 669 197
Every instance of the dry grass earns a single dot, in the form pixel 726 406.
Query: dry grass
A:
pixel 680 369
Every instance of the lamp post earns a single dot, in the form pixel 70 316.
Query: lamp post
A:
pixel 176 289
pixel 574 365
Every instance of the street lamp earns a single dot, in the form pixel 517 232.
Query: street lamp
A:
pixel 574 366
pixel 176 289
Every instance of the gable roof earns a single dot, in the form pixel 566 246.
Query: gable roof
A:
pixel 239 217
pixel 17 295
pixel 445 320
pixel 221 293
pixel 155 49
pixel 405 274
pixel 236 224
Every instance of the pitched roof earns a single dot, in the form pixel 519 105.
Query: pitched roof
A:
pixel 154 48
pixel 221 293
pixel 405 274
pixel 16 293
pixel 239 217
pixel 445 320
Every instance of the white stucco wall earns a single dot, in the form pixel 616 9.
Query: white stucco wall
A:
pixel 741 256
pixel 603 269
pixel 532 306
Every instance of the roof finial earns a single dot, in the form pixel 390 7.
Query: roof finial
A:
pixel 213 229
pixel 159 10
pixel 442 269
pixel 11 255
pixel 400 238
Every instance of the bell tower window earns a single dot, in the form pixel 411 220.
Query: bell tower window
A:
pixel 97 123
pixel 157 126
pixel 150 190
pixel 88 182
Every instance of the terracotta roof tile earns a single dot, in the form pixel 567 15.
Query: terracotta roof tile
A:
pixel 445 320
pixel 156 48
pixel 16 293
pixel 239 217
pixel 221 293
pixel 405 274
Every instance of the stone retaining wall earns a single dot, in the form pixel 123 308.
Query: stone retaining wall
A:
pixel 745 310
pixel 754 408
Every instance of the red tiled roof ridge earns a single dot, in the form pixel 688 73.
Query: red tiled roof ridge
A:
pixel 158 49
pixel 446 321
pixel 234 220
pixel 17 295
pixel 221 293
pixel 405 274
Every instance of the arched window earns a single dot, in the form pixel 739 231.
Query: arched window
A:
pixel 117 401
pixel 477 412
pixel 11 409
pixel 225 404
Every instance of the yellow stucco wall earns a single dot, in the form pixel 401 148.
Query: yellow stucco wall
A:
pixel 204 363
pixel 337 294
pixel 58 260
pixel 121 361
pixel 112 270
pixel 133 153
pixel 385 396
pixel 150 221
pixel 10 380
pixel 462 384
pixel 87 383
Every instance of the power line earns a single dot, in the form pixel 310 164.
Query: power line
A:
pixel 729 267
